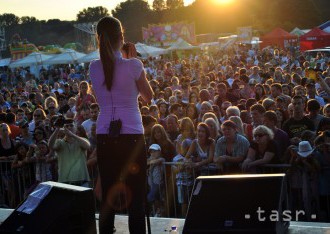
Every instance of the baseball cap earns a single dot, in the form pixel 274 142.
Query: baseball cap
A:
pixel 155 147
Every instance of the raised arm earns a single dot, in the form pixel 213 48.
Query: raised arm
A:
pixel 144 87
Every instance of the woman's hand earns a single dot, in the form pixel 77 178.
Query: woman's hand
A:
pixel 129 51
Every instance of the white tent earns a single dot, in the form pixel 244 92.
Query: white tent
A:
pixel 32 59
pixel 4 62
pixel 182 45
pixel 205 46
pixel 146 50
pixel 89 57
pixel 67 57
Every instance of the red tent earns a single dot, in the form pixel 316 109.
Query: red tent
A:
pixel 314 39
pixel 278 37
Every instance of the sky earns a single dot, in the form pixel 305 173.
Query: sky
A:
pixel 56 9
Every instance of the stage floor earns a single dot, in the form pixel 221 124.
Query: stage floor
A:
pixel 163 225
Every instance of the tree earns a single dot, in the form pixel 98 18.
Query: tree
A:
pixel 8 20
pixel 28 19
pixel 92 14
pixel 133 14
pixel 174 4
pixel 159 5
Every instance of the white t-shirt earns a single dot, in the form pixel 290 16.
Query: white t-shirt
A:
pixel 87 124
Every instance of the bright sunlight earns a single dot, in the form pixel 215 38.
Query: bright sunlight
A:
pixel 223 1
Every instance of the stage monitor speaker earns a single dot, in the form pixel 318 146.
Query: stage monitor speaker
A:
pixel 238 204
pixel 54 208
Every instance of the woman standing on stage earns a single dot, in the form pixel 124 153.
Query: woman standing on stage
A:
pixel 118 78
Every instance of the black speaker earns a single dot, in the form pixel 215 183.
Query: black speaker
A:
pixel 238 204
pixel 54 208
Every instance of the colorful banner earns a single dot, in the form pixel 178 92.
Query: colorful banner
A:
pixel 168 34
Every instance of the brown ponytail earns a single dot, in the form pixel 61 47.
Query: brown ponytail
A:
pixel 109 31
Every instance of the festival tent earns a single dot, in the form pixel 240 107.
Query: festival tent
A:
pixel 316 38
pixel 278 37
pixel 208 45
pixel 67 57
pixel 181 44
pixel 298 32
pixel 74 46
pixel 32 59
pixel 4 62
pixel 147 51
pixel 325 26
pixel 89 57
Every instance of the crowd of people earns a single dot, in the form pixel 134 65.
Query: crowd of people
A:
pixel 219 112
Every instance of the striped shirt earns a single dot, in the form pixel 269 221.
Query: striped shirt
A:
pixel 240 147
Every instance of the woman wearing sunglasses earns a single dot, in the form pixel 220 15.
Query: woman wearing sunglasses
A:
pixel 262 150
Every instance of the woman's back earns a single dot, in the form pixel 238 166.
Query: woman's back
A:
pixel 121 102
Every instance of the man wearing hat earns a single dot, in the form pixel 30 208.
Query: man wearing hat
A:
pixel 304 149
pixel 71 154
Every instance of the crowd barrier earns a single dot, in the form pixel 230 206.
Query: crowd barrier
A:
pixel 171 197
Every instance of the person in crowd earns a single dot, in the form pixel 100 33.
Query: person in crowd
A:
pixel 39 116
pixel 184 177
pixel 172 127
pixel 84 100
pixel 311 93
pixel 213 127
pixel 63 106
pixel 119 77
pixel 192 113
pixel 193 98
pixel 72 110
pixel 176 109
pixel 156 179
pixel 295 125
pixel 20 115
pixel 260 92
pixel 71 154
pixel 160 137
pixel 14 129
pixel 232 111
pixel 187 131
pixel 281 138
pixel 322 154
pixel 38 154
pixel 7 146
pixel 163 110
pixel 269 104
pixel 240 126
pixel 262 150
pixel 204 108
pixel 326 110
pixel 313 109
pixel 201 151
pixel 148 122
pixel 231 149
pixel 222 94
pixel 303 177
pixel 7 153
pixel 154 112
pixel 94 112
pixel 25 136
pixel 257 112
